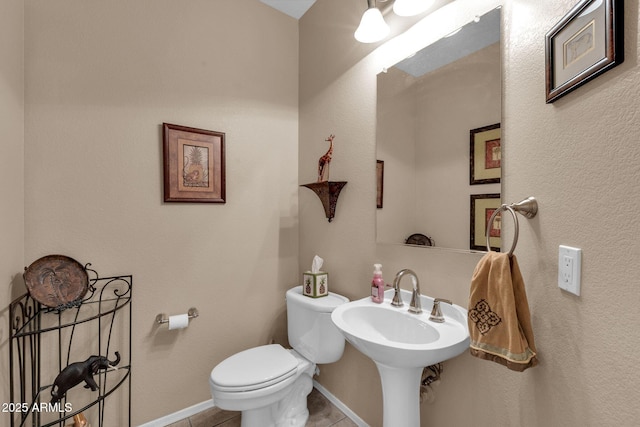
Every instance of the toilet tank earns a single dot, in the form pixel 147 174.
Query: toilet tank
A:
pixel 310 329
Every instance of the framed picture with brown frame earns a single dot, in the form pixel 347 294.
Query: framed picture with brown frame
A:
pixel 194 165
pixel 482 207
pixel 585 43
pixel 379 183
pixel 485 155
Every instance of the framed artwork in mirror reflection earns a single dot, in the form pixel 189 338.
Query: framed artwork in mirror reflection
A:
pixel 485 155
pixel 379 183
pixel 482 207
pixel 586 42
pixel 194 165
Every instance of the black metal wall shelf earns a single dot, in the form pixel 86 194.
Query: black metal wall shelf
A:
pixel 328 192
pixel 43 341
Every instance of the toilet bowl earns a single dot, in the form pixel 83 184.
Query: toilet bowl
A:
pixel 269 383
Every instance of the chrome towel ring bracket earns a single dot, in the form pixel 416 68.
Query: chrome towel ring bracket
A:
pixel 527 208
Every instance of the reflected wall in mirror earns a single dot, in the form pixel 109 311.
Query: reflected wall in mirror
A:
pixel 427 106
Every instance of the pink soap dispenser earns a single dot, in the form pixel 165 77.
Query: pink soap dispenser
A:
pixel 377 284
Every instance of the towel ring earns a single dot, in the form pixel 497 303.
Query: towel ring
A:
pixel 527 207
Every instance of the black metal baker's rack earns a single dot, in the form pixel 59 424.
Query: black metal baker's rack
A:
pixel 44 340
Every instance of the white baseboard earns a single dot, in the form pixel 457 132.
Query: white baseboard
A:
pixel 203 406
pixel 180 415
pixel 338 404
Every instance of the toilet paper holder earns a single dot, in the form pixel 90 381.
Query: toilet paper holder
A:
pixel 163 318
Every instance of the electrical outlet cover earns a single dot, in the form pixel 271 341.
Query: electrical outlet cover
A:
pixel 569 266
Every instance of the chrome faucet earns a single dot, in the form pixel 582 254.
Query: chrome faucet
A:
pixel 415 306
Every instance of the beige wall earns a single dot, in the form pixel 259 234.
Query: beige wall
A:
pixel 461 96
pixel 11 171
pixel 101 78
pixel 396 137
pixel 578 156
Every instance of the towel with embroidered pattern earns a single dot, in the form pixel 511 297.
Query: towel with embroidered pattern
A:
pixel 499 318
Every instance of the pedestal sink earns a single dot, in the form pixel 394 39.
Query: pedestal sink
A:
pixel 401 344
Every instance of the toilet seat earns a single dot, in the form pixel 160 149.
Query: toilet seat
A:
pixel 253 369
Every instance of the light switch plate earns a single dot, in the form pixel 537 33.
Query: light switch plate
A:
pixel 569 266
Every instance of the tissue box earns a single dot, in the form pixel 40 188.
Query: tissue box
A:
pixel 315 285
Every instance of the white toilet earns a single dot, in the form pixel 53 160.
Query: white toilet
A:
pixel 270 384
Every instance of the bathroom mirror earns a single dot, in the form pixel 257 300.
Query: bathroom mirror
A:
pixel 430 108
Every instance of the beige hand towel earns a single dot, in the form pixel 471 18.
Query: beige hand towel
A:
pixel 499 318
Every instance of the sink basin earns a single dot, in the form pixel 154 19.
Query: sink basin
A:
pixel 401 344
pixel 388 325
pixel 394 337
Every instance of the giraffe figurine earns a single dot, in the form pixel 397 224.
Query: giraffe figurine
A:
pixel 323 163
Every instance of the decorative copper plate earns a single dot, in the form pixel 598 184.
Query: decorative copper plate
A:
pixel 56 280
pixel 419 239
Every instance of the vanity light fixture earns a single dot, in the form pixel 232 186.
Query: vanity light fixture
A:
pixel 411 7
pixel 372 27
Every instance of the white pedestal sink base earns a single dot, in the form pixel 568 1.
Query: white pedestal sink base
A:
pixel 400 396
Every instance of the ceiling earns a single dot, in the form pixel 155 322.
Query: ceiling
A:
pixel 468 39
pixel 294 8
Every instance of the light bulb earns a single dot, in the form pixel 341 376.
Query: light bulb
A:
pixel 411 7
pixel 372 27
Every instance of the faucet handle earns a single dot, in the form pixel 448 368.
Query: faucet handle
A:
pixel 436 312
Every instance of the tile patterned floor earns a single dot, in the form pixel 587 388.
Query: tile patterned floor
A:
pixel 322 413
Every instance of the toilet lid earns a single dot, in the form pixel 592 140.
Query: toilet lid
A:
pixel 254 368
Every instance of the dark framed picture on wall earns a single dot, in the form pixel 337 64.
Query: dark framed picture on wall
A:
pixel 194 165
pixel 585 43
pixel 485 155
pixel 482 207
pixel 379 183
